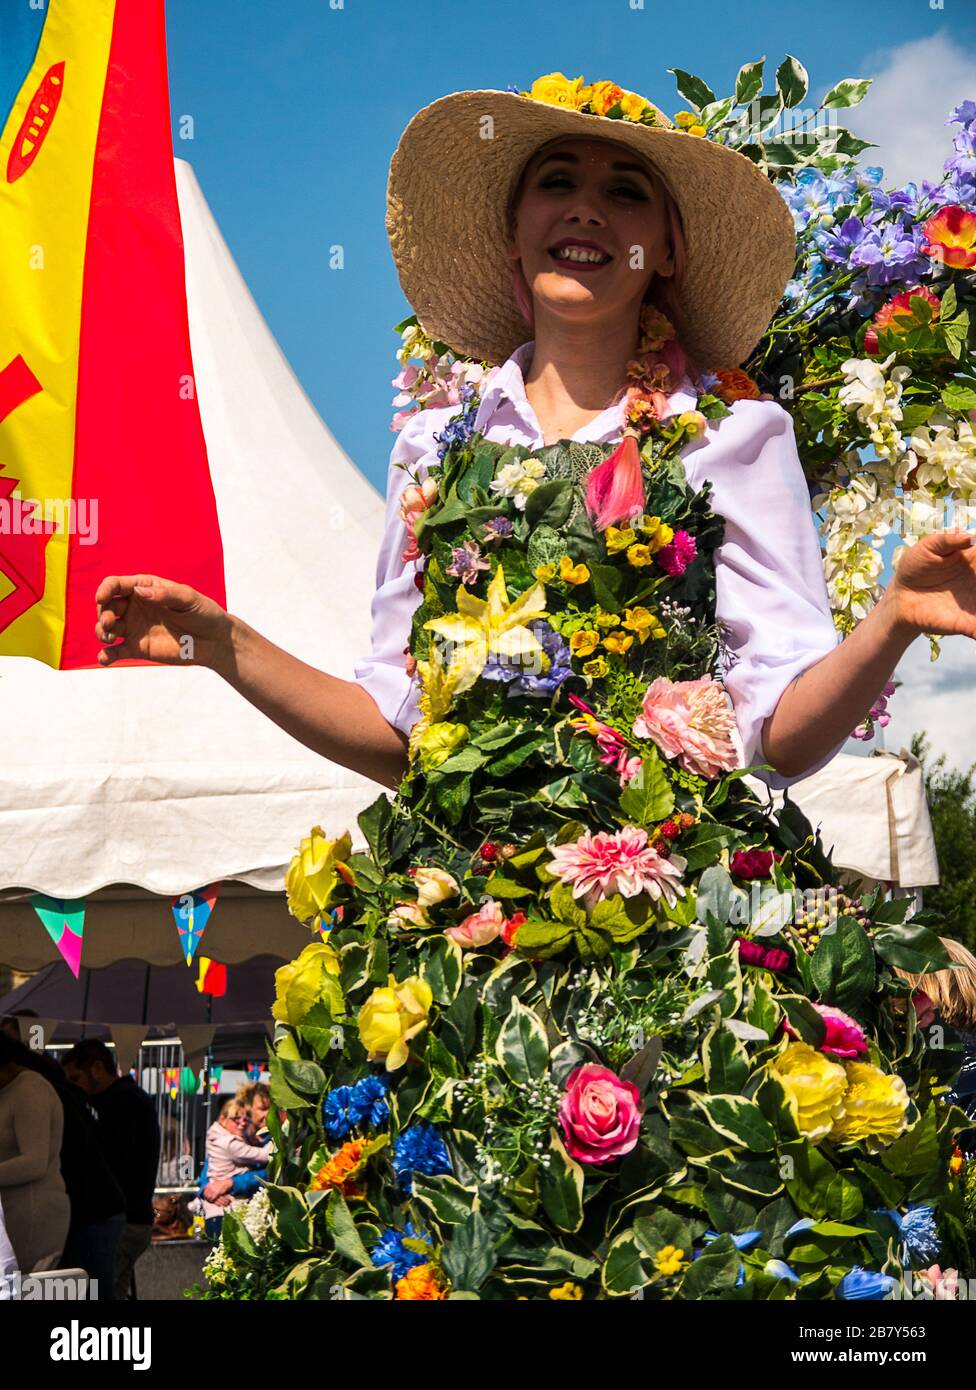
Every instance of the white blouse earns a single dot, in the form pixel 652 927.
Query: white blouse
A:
pixel 770 590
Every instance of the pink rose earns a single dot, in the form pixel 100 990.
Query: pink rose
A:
pixel 479 928
pixel 600 1115
pixel 691 722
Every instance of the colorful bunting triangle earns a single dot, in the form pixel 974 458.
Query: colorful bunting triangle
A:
pixel 64 919
pixel 192 912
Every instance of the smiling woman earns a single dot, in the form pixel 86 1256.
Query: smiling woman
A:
pixel 540 1046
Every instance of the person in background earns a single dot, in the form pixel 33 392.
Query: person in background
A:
pixel 48 1067
pixel 130 1139
pixel 952 994
pixel 255 1096
pixel 229 1155
pixel 97 1203
pixel 35 1203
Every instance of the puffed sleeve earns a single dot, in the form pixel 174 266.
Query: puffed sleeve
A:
pixel 383 673
pixel 770 589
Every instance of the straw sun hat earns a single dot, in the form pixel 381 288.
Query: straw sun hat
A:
pixel 456 167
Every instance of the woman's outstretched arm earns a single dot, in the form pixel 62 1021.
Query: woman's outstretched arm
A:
pixel 933 590
pixel 151 619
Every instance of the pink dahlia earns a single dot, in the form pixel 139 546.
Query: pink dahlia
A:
pixel 690 721
pixel 752 863
pixel 597 866
pixel 600 1114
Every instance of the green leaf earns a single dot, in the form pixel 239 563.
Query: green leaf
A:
pixel 469 1256
pixel 292 1217
pixel 842 966
pixel 792 81
pixel 851 91
pixel 282 1093
pixel 715 893
pixel 444 1197
pixel 958 398
pixel 648 797
pixel 726 1063
pixel 561 1187
pixel 696 92
pixel 443 969
pixel 913 948
pixel 623 1271
pixel 375 822
pixel 749 81
pixel 343 1231
pixel 550 503
pixel 916 1151
pixel 715 1269
pixel 522 1047
pixel 740 1120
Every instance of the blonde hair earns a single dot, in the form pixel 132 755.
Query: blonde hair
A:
pixel 232 1107
pixel 953 992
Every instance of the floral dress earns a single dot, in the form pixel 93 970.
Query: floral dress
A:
pixel 586 1021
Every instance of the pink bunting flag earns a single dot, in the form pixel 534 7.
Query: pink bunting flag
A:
pixel 64 919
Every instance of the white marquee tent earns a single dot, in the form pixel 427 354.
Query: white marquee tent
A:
pixel 126 786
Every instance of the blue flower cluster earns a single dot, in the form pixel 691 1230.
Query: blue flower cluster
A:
pixel 389 1249
pixel 537 686
pixel 460 428
pixel 363 1104
pixel 419 1149
pixel 884 246
pixel 919 1233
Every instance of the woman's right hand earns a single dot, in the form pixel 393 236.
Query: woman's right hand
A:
pixel 153 619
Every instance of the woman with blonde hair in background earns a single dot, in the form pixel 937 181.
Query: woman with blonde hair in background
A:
pixel 953 996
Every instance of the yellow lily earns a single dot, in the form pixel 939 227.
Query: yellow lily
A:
pixel 492 627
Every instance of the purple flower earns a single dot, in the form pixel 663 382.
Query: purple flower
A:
pixel 466 561
pixel 675 557
pixel 536 685
pixel 499 528
pixel 890 256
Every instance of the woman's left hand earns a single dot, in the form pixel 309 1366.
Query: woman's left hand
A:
pixel 934 585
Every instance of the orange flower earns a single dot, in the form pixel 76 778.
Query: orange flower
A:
pixel 900 307
pixel 951 235
pixel 421 1282
pixel 603 95
pixel 341 1170
pixel 735 385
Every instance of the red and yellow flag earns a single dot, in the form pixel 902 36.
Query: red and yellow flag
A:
pixel 103 462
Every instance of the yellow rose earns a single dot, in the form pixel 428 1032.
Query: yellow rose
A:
pixel 619 537
pixel 312 978
pixel 639 555
pixel 603 95
pixel 572 574
pixel 438 742
pixel 584 642
pixel 814 1086
pixel 391 1016
pixel 618 642
pixel 556 90
pixel 683 119
pixel 315 872
pixel 695 130
pixel 597 668
pixel 875 1108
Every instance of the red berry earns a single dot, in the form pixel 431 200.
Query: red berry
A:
pixel 489 852
pixel 669 830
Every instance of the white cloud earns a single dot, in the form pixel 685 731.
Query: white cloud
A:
pixel 915 87
pixel 937 698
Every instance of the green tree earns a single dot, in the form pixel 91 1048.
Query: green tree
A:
pixel 952 807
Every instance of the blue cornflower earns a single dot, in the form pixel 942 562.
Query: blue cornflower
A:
pixel 498 528
pixel 865 1284
pixel 919 1232
pixel 367 1101
pixel 389 1249
pixel 460 428
pixel 419 1149
pixel 779 1269
pixel 335 1112
pixel 538 685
